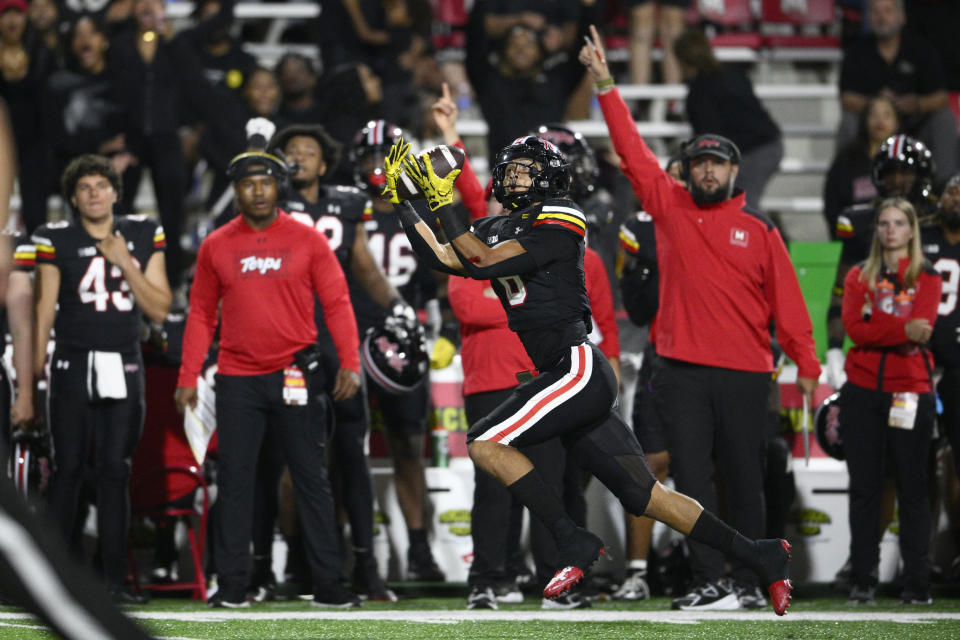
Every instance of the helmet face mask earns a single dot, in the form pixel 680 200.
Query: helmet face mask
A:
pixel 370 146
pixel 550 173
pixel 904 155
pixel 584 168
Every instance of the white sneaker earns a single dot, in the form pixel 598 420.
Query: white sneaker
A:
pixel 718 595
pixel 572 600
pixel 635 587
pixel 509 595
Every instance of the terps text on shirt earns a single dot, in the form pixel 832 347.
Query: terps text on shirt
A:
pixel 270 266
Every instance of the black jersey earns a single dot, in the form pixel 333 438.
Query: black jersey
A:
pixel 639 280
pixel 391 249
pixel 548 308
pixel 96 307
pixel 336 214
pixel 855 231
pixel 946 260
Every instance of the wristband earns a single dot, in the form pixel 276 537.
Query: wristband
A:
pixel 452 224
pixel 407 214
pixel 606 82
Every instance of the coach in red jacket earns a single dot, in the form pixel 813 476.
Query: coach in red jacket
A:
pixel 264 270
pixel 724 276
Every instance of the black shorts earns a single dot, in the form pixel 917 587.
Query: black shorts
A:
pixel 577 394
pixel 404 414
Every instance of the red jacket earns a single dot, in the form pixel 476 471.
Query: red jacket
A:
pixel 267 282
pixel 724 272
pixel 882 333
pixel 601 304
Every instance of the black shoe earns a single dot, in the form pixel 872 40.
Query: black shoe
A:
pixel 126 595
pixel 335 597
pixel 481 598
pixel 750 596
pixel 263 586
pixel 367 581
pixel 421 567
pixel 841 581
pixel 219 602
pixel 913 597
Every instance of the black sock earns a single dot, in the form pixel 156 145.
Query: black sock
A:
pixel 709 529
pixel 535 494
pixel 418 537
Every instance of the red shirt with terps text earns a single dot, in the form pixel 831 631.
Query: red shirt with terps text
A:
pixel 266 281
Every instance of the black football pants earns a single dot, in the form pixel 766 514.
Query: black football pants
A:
pixel 715 423
pixel 870 445
pixel 949 391
pixel 110 431
pixel 250 409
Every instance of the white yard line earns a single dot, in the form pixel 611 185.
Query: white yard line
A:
pixel 452 617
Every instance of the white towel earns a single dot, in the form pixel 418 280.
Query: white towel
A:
pixel 105 376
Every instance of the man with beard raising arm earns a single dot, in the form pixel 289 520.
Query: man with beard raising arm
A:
pixel 724 276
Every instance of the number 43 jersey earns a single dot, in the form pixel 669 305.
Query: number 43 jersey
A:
pixel 96 307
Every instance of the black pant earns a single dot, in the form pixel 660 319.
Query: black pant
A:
pixel 249 409
pixel 715 421
pixel 495 512
pixel 113 428
pixel 870 445
pixel 163 155
pixel 949 391
pixel 352 467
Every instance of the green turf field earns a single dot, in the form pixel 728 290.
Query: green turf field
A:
pixel 440 618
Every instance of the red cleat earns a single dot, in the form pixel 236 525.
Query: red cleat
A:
pixel 584 552
pixel 780 585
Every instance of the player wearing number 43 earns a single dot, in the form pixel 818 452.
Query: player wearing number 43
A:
pixel 103 272
pixel 533 257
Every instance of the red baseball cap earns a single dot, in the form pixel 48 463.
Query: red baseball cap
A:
pixel 17 5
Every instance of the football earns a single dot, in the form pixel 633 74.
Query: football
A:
pixel 444 159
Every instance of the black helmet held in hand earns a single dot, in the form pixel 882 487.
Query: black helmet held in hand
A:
pixel 584 168
pixel 395 356
pixel 826 426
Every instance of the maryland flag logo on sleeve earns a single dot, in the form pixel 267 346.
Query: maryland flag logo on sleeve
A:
pixel 565 217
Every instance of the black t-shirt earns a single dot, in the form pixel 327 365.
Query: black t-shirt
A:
pixel 96 307
pixel 916 69
pixel 946 260
pixel 548 308
pixel 725 104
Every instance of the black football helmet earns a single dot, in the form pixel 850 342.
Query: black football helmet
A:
pixel 395 356
pixel 550 180
pixel 30 464
pixel 826 426
pixel 584 169
pixel 370 146
pixel 905 153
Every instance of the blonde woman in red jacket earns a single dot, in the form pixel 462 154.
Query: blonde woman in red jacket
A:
pixel 887 406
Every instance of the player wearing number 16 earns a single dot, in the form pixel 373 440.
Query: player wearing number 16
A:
pixel 103 272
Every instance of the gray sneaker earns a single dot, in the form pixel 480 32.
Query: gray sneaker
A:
pixel 481 598
pixel 862 595
pixel 717 595
pixel 572 600
pixel 634 588
pixel 750 596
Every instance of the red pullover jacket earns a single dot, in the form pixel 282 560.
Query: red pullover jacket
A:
pixel 724 271
pixel 266 281
pixel 881 335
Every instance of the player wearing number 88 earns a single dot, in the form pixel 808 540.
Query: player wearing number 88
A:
pixel 103 272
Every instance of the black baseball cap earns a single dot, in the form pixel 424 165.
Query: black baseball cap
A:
pixel 714 145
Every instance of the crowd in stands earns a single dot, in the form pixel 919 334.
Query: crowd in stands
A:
pixel 100 94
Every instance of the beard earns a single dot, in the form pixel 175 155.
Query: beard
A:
pixel 702 197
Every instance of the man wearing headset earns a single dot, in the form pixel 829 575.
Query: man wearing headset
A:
pixel 263 270
pixel 724 276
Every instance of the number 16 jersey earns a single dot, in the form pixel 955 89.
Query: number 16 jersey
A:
pixel 96 307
